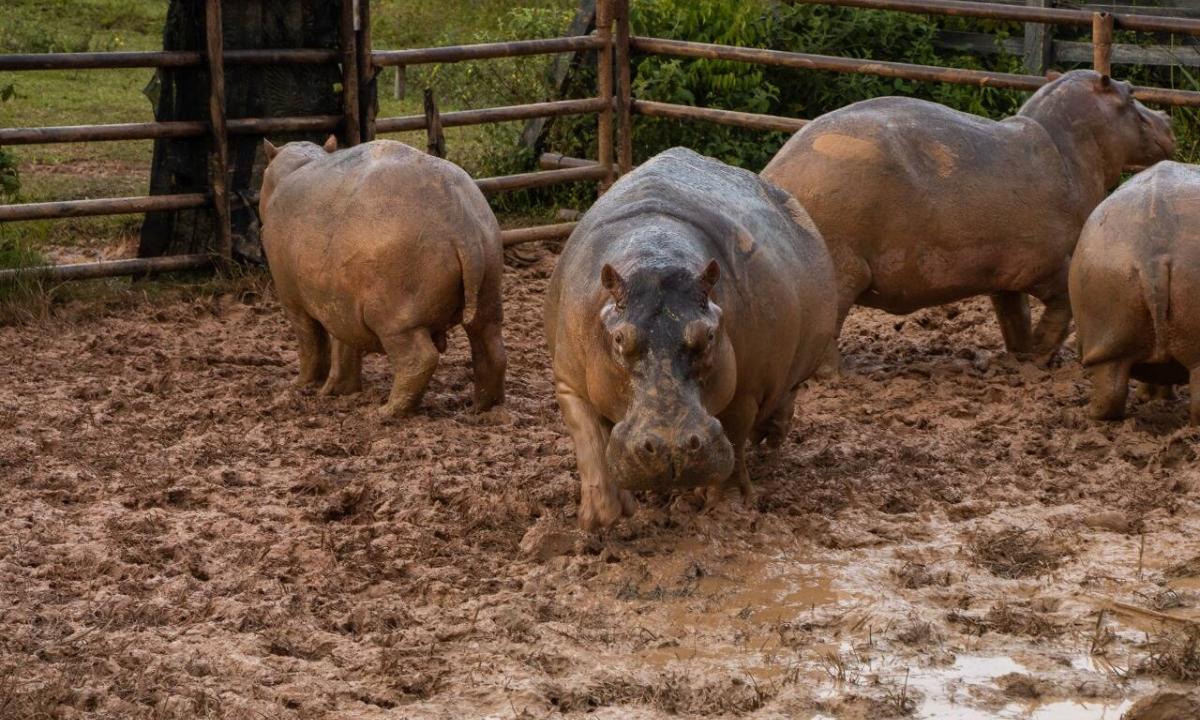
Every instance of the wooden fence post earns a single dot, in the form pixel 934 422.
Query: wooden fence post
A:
pixel 347 37
pixel 367 100
pixel 1039 43
pixel 218 156
pixel 624 90
pixel 436 143
pixel 604 75
pixel 1102 40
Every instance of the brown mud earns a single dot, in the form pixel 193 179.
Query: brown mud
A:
pixel 946 534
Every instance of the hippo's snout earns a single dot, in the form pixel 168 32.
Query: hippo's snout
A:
pixel 646 455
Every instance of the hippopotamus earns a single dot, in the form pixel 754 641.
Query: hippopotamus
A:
pixel 923 205
pixel 1134 281
pixel 687 307
pixel 382 248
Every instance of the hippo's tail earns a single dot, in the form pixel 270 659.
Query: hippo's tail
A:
pixel 1155 278
pixel 473 263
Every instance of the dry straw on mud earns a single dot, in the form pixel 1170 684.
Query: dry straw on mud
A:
pixel 1017 553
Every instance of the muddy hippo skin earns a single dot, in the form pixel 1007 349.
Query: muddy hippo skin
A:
pixel 1135 281
pixel 382 248
pixel 686 309
pixel 923 205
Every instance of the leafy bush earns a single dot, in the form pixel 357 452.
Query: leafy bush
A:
pixel 784 91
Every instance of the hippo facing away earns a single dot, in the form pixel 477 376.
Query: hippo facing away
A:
pixel 686 309
pixel 1135 281
pixel 382 248
pixel 923 205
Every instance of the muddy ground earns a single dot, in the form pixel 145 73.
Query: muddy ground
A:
pixel 944 535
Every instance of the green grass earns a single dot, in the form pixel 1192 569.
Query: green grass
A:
pixel 110 169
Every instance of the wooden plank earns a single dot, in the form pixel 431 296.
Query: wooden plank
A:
pixel 1069 51
pixel 218 157
pixel 1038 50
pixel 436 142
pixel 604 82
pixel 1102 40
pixel 100 206
pixel 624 89
pixel 368 73
pixel 560 70
pixel 108 268
pixel 348 38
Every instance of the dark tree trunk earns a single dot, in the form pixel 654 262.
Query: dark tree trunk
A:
pixel 180 165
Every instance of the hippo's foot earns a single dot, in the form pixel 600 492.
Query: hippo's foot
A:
pixel 485 401
pixel 396 410
pixel 1150 392
pixel 602 507
pixel 341 386
pixel 1110 388
pixel 714 494
pixel 303 382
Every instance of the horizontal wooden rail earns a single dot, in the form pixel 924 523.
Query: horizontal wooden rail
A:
pixel 755 121
pixel 108 268
pixel 907 71
pixel 159 58
pixel 155 130
pixel 540 178
pixel 459 118
pixel 103 206
pixel 808 61
pixel 1017 13
pixel 483 51
pixel 557 231
pixel 558 161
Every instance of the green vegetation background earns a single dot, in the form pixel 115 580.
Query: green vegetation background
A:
pixel 121 168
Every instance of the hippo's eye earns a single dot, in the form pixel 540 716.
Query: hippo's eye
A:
pixel 624 340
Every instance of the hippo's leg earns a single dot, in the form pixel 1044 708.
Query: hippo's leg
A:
pixel 1012 310
pixel 854 278
pixel 601 502
pixel 1194 389
pixel 738 421
pixel 488 361
pixel 314 347
pixel 345 370
pixel 774 429
pixel 1052 329
pixel 413 357
pixel 1110 388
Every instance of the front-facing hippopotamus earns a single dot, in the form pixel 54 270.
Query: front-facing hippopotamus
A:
pixel 1135 284
pixel 923 205
pixel 686 309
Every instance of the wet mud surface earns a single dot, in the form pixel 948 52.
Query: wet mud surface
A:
pixel 945 534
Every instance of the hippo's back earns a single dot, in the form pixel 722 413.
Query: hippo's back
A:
pixel 748 225
pixel 1136 270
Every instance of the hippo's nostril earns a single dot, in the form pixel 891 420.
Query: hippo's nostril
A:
pixel 694 443
pixel 648 446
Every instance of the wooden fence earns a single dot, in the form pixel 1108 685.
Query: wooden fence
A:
pixel 614 105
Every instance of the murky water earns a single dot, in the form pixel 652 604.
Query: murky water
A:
pixel 946 694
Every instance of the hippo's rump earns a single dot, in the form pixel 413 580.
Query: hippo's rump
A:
pixel 1137 266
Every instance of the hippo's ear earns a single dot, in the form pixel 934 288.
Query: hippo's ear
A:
pixel 1053 74
pixel 613 283
pixel 709 276
pixel 269 150
pixel 330 144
